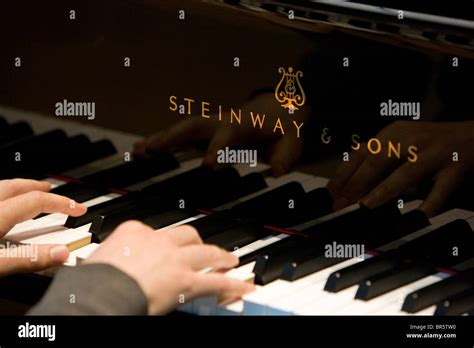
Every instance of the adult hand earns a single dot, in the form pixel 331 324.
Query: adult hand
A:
pixel 167 264
pixel 283 150
pixel 375 179
pixel 20 200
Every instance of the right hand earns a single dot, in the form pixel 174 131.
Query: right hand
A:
pixel 167 264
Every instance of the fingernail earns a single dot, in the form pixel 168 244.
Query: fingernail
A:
pixel 59 253
pixel 47 185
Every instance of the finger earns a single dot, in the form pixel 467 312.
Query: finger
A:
pixel 285 153
pixel 15 187
pixel 219 285
pixel 224 137
pixel 183 235
pixel 367 176
pixel 200 257
pixel 31 258
pixel 345 172
pixel 445 184
pixel 181 134
pixel 28 205
pixel 405 177
pixel 139 150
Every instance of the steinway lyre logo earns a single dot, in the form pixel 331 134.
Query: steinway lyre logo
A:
pixel 289 91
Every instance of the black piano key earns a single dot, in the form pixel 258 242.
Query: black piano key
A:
pixel 408 223
pixel 273 207
pixel 79 154
pixel 3 125
pixel 458 304
pixel 143 207
pixel 131 172
pixel 55 136
pixel 168 218
pixel 215 196
pixel 253 182
pixel 423 260
pixel 283 244
pixel 297 269
pixel 269 265
pixel 200 187
pixel 64 157
pixel 56 158
pixel 127 201
pixel 356 273
pixel 318 234
pixel 391 280
pixel 214 223
pixel 80 192
pixel 319 202
pixel 365 226
pixel 238 236
pixel 19 130
pixel 28 156
pixel 438 292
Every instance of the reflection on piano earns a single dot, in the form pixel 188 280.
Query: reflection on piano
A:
pixel 408 266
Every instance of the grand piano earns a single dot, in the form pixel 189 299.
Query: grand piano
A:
pixel 139 62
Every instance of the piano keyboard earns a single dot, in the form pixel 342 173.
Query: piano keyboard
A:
pixel 409 265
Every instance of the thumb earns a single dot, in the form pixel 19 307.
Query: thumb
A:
pixel 30 258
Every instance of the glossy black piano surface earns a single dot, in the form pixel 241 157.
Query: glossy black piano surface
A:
pixel 328 75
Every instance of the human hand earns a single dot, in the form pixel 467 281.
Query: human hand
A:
pixel 167 264
pixel 375 179
pixel 283 151
pixel 20 200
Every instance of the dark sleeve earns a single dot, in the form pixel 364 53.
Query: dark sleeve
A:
pixel 95 289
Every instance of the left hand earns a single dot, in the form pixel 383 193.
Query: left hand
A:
pixel 20 200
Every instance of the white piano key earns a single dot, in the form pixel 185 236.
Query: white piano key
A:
pixel 55 182
pixel 231 309
pixel 259 244
pixel 377 304
pixel 306 290
pixel 256 302
pixel 243 273
pixel 393 305
pixel 73 238
pixel 35 226
pixel 183 222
